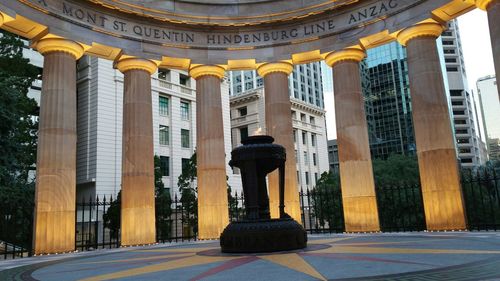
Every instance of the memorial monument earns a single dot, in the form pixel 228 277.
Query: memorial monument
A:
pixel 257 232
pixel 207 38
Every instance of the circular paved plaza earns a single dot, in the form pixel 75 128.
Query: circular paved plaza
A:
pixel 409 256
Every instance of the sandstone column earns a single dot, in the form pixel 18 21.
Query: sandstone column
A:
pixel 279 126
pixel 437 158
pixel 213 214
pixel 54 224
pixel 356 173
pixel 137 193
pixel 493 9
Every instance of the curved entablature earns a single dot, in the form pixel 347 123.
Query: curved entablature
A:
pixel 106 30
pixel 225 12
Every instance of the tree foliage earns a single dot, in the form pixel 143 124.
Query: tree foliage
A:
pixel 327 201
pixel 18 129
pixel 163 204
pixel 189 191
pixel 397 169
pixel 112 218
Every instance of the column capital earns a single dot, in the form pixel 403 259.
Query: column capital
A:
pixel 430 29
pixel 354 54
pixel 202 70
pixel 483 4
pixel 57 44
pixel 126 64
pixel 280 66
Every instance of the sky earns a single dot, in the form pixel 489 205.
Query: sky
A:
pixel 476 46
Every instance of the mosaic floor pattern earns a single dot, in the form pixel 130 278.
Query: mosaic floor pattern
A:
pixel 408 256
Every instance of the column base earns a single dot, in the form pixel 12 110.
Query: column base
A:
pixel 361 214
pixel 138 226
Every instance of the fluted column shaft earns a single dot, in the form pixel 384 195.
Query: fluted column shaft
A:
pixel 356 172
pixel 493 10
pixel 437 158
pixel 54 224
pixel 213 215
pixel 279 126
pixel 137 193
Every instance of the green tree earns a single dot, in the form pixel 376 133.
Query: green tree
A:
pixel 18 137
pixel 163 204
pixel 397 169
pixel 397 184
pixel 163 209
pixel 188 191
pixel 327 201
pixel 112 217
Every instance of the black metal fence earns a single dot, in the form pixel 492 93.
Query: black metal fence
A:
pixel 321 209
pixel 481 191
pixel 98 222
pixel 12 251
pixel 400 208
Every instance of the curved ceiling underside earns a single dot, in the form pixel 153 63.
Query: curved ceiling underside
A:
pixel 168 32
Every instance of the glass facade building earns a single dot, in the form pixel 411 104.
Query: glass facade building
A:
pixel 385 83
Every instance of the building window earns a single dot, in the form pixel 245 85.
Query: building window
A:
pixel 164 74
pixel 164 135
pixel 184 110
pixel 306 161
pixel 185 138
pixel 294 136
pixel 165 166
pixel 243 133
pixel 304 138
pixel 451 69
pixel 184 164
pixel 163 102
pixel 184 80
pixel 464 150
pixel 298 177
pixel 312 120
pixel 307 178
pixel 315 177
pixel 313 139
pixel 314 159
pixel 242 111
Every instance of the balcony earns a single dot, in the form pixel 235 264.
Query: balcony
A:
pixel 166 84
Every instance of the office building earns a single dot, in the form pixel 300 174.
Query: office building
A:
pixel 490 109
pixel 462 100
pixel 308 116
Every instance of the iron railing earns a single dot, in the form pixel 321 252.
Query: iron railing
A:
pixel 400 208
pixel 321 209
pixel 481 192
pixel 93 230
pixel 11 251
